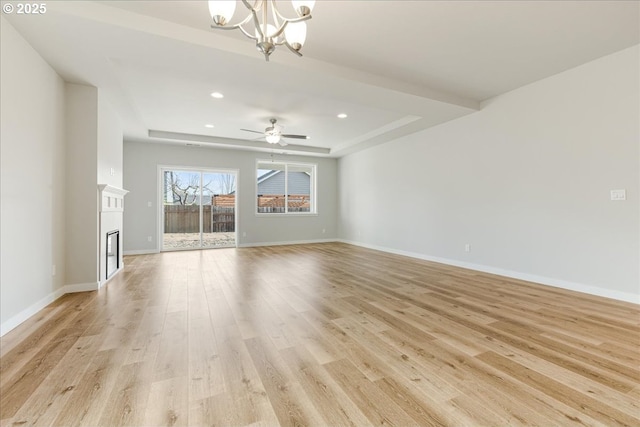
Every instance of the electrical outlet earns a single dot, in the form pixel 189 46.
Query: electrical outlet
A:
pixel 618 195
pixel 324 231
pixel 244 234
pixel 53 270
pixel 467 247
pixel 149 239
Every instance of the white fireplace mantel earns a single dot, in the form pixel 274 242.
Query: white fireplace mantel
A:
pixel 111 219
pixel 111 198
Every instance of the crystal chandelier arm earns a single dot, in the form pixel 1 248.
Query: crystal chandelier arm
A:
pixel 284 18
pixel 274 14
pixel 257 4
pixel 238 26
pixel 300 19
pixel 246 33
pixel 277 16
pixel 286 21
pixel 256 22
pixel 286 43
pixel 279 31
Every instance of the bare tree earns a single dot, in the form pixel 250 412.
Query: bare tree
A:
pixel 226 182
pixel 185 189
pixel 181 191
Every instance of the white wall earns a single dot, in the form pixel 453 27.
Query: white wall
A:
pixel 32 155
pixel 55 140
pixel 82 185
pixel 109 171
pixel 94 150
pixel 525 181
pixel 141 162
pixel 110 141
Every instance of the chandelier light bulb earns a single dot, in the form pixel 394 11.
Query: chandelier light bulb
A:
pixel 303 7
pixel 222 11
pixel 296 33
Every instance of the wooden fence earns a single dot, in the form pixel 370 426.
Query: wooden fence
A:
pixel 280 209
pixel 186 219
pixel 220 217
pixel 268 203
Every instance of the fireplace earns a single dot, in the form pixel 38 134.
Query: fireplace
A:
pixel 113 252
pixel 110 232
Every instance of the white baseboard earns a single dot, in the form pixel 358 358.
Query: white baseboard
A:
pixel 16 320
pixel 80 287
pixel 543 280
pixel 115 273
pixel 141 252
pixel 241 245
pixel 291 242
pixel 25 314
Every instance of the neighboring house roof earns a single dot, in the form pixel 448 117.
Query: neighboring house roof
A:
pixel 272 182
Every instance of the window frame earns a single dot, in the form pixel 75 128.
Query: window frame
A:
pixel 313 196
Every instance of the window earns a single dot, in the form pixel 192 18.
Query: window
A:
pixel 286 188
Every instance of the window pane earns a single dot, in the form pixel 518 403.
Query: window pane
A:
pixel 271 188
pixel 299 188
pixel 218 210
pixel 181 210
pixel 285 187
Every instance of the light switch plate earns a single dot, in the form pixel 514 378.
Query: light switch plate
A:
pixel 618 195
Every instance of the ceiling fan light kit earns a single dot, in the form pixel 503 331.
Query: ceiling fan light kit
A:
pixel 273 138
pixel 273 134
pixel 290 32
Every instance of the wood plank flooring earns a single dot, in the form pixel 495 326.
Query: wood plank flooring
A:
pixel 320 335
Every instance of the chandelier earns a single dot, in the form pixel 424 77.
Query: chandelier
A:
pixel 290 32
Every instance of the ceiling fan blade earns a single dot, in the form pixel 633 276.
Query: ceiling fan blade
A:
pixel 282 143
pixel 295 136
pixel 249 130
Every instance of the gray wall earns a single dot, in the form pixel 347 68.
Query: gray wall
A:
pixel 32 155
pixel 141 161
pixel 525 181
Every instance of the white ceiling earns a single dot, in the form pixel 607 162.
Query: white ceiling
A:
pixel 395 67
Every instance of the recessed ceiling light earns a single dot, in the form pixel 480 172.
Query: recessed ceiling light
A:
pixel 342 116
pixel 217 95
pixel 209 126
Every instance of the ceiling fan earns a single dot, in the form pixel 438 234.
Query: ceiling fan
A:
pixel 273 134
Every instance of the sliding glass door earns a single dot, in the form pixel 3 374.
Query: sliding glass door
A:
pixel 198 209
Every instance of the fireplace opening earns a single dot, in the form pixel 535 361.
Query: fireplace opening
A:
pixel 113 252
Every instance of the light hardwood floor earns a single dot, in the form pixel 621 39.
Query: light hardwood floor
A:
pixel 317 335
